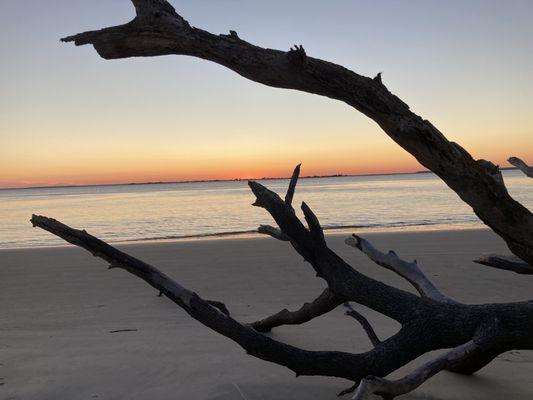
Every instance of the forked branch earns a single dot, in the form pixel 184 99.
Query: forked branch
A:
pixel 300 361
pixel 323 304
pixel 310 243
pixel 382 360
pixel 275 232
pixel 389 389
pixel 447 324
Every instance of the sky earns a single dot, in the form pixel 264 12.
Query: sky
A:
pixel 70 117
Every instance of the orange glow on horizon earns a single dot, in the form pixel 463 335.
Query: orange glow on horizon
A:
pixel 235 169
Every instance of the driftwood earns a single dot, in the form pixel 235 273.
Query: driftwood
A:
pixel 407 270
pixel 522 166
pixel 429 320
pixel 372 336
pixel 389 389
pixel 508 263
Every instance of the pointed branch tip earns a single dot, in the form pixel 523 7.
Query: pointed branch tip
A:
pixel 292 185
pixel 274 232
pixel 314 224
pixel 521 165
pixel 505 262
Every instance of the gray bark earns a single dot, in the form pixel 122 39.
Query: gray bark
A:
pixel 407 270
pixel 507 263
pixel 522 166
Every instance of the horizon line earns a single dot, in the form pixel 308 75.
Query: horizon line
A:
pixel 222 180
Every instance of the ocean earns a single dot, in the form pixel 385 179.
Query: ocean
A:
pixel 122 213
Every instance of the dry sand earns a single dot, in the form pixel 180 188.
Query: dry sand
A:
pixel 60 304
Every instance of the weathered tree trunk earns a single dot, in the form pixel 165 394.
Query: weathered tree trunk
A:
pixel 429 321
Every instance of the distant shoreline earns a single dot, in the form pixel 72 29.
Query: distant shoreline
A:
pixel 224 180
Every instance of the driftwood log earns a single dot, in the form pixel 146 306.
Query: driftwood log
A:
pixel 475 334
pixel 430 321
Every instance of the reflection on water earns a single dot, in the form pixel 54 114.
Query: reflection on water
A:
pixel 137 212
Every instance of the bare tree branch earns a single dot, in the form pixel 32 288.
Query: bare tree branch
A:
pixel 350 311
pixel 382 360
pixel 302 362
pixel 475 361
pixel 390 301
pixel 323 304
pixel 309 242
pixel 274 232
pixel 522 166
pixel 389 389
pixel 159 30
pixel 508 263
pixel 292 185
pixel 407 270
pixel 315 228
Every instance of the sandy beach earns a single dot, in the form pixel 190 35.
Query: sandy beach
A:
pixel 60 307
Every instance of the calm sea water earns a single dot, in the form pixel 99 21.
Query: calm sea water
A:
pixel 179 210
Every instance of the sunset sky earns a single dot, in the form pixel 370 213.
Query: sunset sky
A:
pixel 69 117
